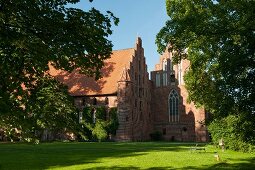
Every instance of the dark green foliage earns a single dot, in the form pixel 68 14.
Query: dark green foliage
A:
pixel 237 133
pixel 219 40
pixel 49 107
pixel 101 113
pixel 99 130
pixel 34 34
pixel 113 123
pixel 101 127
pixel 156 136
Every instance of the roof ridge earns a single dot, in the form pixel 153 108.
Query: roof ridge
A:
pixel 123 49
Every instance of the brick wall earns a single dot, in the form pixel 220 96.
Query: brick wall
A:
pixel 187 126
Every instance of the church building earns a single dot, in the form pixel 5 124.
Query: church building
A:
pixel 144 105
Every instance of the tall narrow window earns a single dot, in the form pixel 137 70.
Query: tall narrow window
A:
pixel 171 67
pixel 165 82
pixel 173 106
pixel 157 80
pixel 164 65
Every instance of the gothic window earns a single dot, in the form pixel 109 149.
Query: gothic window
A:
pixel 165 79
pixel 173 106
pixel 158 80
pixel 164 65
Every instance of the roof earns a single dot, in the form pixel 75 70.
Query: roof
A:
pixel 79 84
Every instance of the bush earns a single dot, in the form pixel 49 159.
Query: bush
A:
pixel 232 129
pixel 113 123
pixel 99 131
pixel 102 127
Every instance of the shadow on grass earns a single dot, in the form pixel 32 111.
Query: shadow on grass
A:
pixel 129 168
pixel 62 155
pixel 249 164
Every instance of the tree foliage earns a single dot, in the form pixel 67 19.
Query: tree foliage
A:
pixel 38 32
pixel 220 38
pixel 97 125
pixel 50 107
pixel 236 131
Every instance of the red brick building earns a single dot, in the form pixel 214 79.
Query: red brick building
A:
pixel 143 105
pixel 173 115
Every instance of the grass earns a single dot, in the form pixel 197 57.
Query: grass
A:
pixel 99 156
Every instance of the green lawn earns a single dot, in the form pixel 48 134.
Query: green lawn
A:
pixel 144 155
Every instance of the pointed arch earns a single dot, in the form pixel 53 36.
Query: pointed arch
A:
pixel 173 106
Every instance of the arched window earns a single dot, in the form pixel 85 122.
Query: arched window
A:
pixel 173 102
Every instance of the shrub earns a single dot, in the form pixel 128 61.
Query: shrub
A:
pixel 102 127
pixel 99 131
pixel 232 129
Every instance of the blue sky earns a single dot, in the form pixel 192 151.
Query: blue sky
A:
pixel 137 17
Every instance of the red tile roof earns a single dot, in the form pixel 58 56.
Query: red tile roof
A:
pixel 79 84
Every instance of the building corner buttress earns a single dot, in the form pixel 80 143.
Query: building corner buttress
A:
pixel 124 92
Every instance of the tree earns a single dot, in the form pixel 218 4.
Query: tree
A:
pixel 219 37
pixel 236 132
pixel 49 107
pixel 38 32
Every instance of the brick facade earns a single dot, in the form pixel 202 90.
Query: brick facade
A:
pixel 143 105
pixel 187 123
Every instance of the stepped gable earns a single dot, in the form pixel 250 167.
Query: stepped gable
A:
pixel 80 85
pixel 125 75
